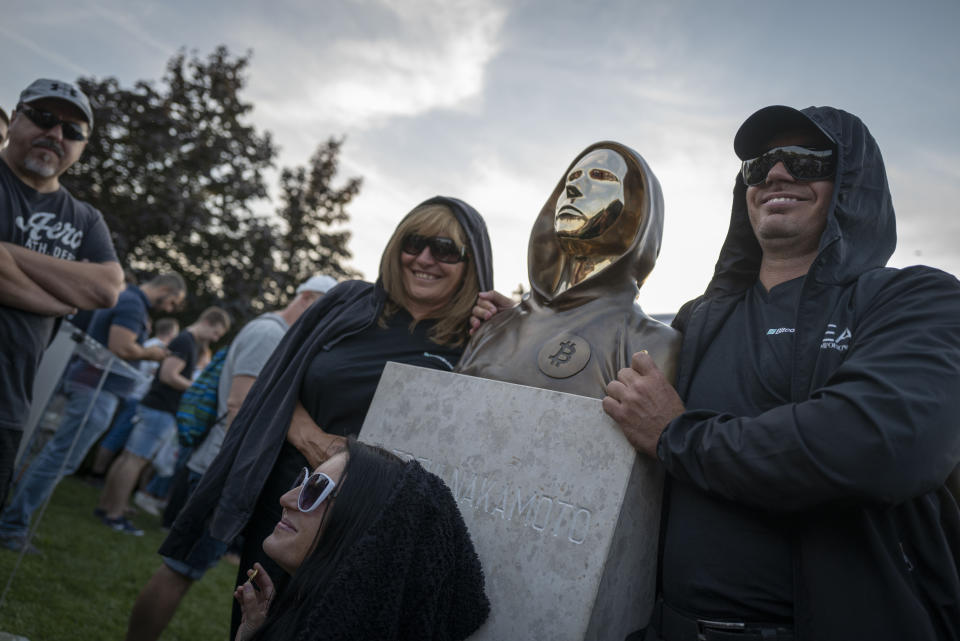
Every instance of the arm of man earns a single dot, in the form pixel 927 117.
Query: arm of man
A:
pixel 123 343
pixel 19 291
pixel 305 435
pixel 84 285
pixel 239 388
pixel 169 373
pixel 882 429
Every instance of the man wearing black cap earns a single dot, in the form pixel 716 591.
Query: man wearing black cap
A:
pixel 55 251
pixel 815 418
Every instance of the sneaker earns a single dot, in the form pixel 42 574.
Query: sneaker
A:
pixel 122 524
pixel 18 543
pixel 147 503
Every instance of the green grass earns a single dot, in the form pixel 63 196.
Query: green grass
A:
pixel 84 585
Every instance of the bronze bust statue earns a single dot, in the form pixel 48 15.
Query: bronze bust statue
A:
pixel 593 244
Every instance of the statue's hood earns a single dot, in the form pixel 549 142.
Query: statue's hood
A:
pixel 642 214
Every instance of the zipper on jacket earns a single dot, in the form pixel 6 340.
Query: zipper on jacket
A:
pixel 906 559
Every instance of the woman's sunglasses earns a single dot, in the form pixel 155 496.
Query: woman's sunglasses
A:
pixel 442 249
pixel 801 162
pixel 314 489
pixel 46 120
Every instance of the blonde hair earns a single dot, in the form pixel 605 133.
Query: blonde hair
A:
pixel 453 319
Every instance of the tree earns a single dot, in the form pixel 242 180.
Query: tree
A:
pixel 310 207
pixel 176 170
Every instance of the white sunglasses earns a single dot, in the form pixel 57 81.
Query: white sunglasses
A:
pixel 314 489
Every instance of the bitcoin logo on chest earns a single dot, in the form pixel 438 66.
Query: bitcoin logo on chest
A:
pixel 563 356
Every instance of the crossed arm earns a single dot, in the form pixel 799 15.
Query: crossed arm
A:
pixel 17 290
pixel 41 284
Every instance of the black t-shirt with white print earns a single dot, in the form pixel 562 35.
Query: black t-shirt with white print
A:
pixel 55 224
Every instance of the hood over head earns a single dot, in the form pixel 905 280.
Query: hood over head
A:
pixel 414 574
pixel 474 228
pixel 621 249
pixel 860 233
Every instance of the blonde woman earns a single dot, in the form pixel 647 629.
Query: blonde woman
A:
pixel 317 386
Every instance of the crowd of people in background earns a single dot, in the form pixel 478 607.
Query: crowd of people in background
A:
pixel 819 454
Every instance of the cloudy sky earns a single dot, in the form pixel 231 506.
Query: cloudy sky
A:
pixel 489 101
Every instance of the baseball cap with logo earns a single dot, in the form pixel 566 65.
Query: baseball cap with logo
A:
pixel 319 283
pixel 60 90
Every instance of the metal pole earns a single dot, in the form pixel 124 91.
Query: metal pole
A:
pixel 63 466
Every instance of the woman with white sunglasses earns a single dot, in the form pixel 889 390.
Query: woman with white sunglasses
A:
pixel 377 549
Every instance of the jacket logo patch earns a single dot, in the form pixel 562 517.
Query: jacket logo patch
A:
pixel 831 340
pixel 773 331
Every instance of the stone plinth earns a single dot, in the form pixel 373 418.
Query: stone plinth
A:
pixel 562 511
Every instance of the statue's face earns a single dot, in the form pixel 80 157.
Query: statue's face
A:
pixel 592 198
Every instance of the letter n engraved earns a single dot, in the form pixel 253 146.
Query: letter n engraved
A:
pixel 501 506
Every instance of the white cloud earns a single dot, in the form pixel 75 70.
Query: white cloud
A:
pixel 431 55
pixel 509 197
pixel 926 188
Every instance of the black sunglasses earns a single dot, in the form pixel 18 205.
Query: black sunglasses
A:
pixel 444 250
pixel 802 163
pixel 46 120
pixel 314 489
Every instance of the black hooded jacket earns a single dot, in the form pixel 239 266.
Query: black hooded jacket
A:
pixel 858 460
pixel 228 492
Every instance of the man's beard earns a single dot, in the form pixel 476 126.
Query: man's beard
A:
pixel 40 168
pixel 43 168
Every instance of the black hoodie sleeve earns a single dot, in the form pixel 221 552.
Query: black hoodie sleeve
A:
pixel 882 428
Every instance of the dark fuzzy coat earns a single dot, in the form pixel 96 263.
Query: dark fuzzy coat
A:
pixel 413 576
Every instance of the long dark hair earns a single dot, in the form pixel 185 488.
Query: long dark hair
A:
pixel 367 482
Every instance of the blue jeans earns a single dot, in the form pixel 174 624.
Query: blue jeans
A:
pixel 150 431
pixel 116 438
pixel 41 477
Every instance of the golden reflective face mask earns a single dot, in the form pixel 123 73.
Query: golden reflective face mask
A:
pixel 592 198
